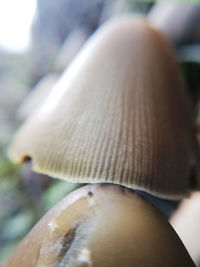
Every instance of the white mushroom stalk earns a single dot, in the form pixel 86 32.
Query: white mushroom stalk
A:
pixel 180 23
pixel 186 222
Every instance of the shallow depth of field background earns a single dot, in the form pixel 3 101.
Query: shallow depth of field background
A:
pixel 38 39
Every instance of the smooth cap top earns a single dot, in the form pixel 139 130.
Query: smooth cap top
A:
pixel 102 226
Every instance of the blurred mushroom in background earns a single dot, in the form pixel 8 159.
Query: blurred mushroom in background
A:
pixel 186 222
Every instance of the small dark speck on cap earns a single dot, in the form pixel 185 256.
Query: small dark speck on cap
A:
pixel 90 194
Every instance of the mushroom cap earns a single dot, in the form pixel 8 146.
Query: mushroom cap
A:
pixel 119 114
pixel 102 226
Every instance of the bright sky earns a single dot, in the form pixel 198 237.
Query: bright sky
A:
pixel 15 21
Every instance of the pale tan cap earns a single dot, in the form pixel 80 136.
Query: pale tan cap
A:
pixel 119 114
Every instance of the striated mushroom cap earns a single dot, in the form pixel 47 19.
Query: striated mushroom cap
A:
pixel 119 114
pixel 101 226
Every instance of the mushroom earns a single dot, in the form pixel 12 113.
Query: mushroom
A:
pixel 180 23
pixel 186 222
pixel 101 226
pixel 119 114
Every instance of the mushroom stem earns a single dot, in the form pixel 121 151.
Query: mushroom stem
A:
pixel 102 226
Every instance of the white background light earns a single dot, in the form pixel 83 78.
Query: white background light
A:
pixel 15 23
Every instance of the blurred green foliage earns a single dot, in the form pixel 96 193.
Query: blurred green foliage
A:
pixel 18 212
